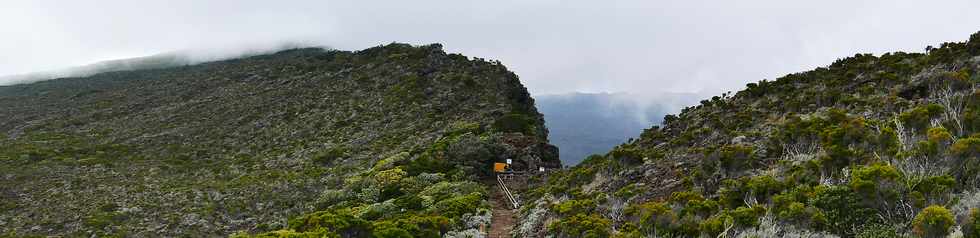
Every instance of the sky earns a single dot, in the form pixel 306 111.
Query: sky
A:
pixel 556 46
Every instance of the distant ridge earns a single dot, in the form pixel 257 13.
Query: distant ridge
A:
pixel 582 124
pixel 157 61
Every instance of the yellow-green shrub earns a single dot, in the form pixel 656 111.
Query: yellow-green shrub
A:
pixel 933 221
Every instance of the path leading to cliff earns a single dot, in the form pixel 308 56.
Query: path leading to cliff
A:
pixel 503 216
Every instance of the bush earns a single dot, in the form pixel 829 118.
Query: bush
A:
pixel 457 206
pixel 581 225
pixel 344 224
pixel 685 196
pixel 328 156
pixel 515 123
pixel 876 181
pixel 735 157
pixel 933 221
pixel 701 208
pixel 390 230
pixel 628 154
pixel 966 147
pixel 427 164
pixel 713 226
pixel 939 135
pixel 413 226
pixel 748 216
pixel 570 207
pixel 919 117
pixel 930 189
pixel 390 176
pixel 888 140
pixel 653 217
pixel 843 209
pixel 878 231
pixel 971 226
pixel 731 193
pixel 763 187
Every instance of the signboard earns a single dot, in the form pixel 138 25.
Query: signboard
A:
pixel 499 167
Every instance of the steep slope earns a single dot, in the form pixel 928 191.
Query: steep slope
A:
pixel 870 146
pixel 388 134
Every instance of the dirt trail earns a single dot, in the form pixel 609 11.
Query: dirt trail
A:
pixel 503 217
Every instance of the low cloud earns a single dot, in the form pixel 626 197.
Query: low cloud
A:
pixel 640 47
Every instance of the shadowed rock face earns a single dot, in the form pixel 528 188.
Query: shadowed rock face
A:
pixel 243 144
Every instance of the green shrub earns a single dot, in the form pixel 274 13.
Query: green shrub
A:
pixel 878 231
pixel 328 156
pixel 971 226
pixel 876 181
pixel 390 176
pixel 966 147
pixel 101 219
pixel 390 230
pixel 919 117
pixel 888 141
pixel 837 157
pixel 581 225
pixel 653 217
pixel 933 221
pixel 939 135
pixel 713 226
pixel 748 216
pixel 628 154
pixel 427 164
pixel 515 123
pixel 736 157
pixel 700 208
pixel 414 226
pixel 683 197
pixel 842 209
pixel 731 193
pixel 794 210
pixel 791 206
pixel 627 191
pixel 344 224
pixel 570 207
pixel 930 189
pixel 763 187
pixel 457 206
pixel 971 119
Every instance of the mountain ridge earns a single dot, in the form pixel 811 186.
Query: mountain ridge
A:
pixel 386 136
pixel 869 146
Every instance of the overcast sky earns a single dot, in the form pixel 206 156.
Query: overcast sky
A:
pixel 642 47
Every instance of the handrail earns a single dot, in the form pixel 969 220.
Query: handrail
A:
pixel 510 196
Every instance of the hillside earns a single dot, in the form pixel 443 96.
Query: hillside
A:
pixel 583 124
pixel 869 146
pixel 392 138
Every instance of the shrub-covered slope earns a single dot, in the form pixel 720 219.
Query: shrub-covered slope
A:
pixel 392 137
pixel 870 146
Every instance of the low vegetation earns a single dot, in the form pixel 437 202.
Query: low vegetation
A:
pixel 389 141
pixel 869 146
